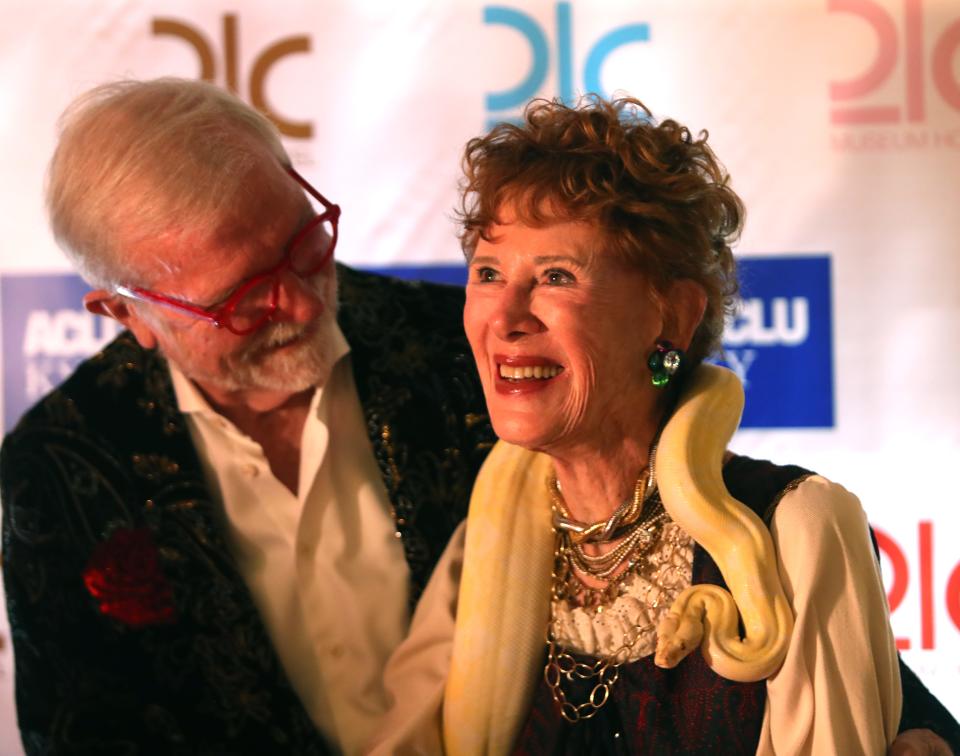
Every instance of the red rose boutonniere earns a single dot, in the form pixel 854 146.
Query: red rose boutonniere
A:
pixel 124 577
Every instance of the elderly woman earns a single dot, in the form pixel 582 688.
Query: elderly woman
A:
pixel 562 621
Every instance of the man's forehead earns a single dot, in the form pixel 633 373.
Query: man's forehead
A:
pixel 267 217
pixel 207 259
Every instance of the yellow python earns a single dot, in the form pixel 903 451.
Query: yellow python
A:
pixel 689 475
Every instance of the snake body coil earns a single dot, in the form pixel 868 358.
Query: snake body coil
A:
pixel 690 478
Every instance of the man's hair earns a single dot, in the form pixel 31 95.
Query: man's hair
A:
pixel 139 159
pixel 658 195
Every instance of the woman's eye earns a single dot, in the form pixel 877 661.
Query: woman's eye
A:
pixel 558 277
pixel 485 275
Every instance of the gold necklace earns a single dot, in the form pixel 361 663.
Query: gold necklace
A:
pixel 639 536
pixel 605 530
pixel 637 522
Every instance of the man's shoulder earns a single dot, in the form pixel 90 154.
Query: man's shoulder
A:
pixel 405 334
pixel 107 437
pixel 104 388
pixel 371 299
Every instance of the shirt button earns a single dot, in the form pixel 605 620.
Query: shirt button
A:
pixel 251 470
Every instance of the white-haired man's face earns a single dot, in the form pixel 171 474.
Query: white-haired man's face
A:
pixel 292 350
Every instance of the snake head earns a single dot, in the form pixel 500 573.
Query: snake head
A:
pixel 677 636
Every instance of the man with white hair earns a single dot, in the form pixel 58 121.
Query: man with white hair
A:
pixel 215 529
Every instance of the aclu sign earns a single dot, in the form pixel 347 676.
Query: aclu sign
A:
pixel 46 334
pixel 780 343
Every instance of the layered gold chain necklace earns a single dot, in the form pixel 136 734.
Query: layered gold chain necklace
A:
pixel 638 522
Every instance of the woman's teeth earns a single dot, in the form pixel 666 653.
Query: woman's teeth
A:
pixel 529 371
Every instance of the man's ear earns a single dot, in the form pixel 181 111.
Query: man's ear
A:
pixel 102 302
pixel 112 305
pixel 685 302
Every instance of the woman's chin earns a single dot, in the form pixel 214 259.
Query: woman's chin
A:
pixel 529 432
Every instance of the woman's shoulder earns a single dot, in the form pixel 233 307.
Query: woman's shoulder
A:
pixel 820 506
pixel 792 496
pixel 759 483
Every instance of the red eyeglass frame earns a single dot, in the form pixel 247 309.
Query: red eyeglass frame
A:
pixel 221 317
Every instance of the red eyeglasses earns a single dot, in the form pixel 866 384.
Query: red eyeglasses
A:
pixel 255 300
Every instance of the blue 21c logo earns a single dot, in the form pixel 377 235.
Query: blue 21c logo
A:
pixel 536 36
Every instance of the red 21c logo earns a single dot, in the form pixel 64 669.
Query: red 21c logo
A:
pixel 913 107
pixel 258 75
pixel 901 580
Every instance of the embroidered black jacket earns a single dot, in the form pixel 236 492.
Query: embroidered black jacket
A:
pixel 108 453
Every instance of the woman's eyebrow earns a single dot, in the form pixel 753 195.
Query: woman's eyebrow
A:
pixel 547 259
pixel 484 260
pixel 539 260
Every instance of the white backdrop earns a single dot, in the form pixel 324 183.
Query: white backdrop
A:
pixel 839 121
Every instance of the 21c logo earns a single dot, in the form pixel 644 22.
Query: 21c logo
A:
pixel 536 37
pixel 944 49
pixel 262 65
pixel 902 576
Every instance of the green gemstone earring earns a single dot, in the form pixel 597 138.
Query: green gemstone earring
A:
pixel 664 363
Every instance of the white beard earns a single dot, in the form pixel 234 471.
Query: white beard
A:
pixel 294 369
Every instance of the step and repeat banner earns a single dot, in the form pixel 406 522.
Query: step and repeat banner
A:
pixel 839 121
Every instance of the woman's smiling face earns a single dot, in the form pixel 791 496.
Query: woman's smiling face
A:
pixel 561 330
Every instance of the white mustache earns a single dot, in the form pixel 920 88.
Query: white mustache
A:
pixel 273 336
pixel 281 333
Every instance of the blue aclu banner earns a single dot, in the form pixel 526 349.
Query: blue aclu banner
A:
pixel 46 334
pixel 780 343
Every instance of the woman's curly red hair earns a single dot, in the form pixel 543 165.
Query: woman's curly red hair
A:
pixel 657 193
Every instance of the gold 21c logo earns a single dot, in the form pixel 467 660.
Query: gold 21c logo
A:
pixel 258 74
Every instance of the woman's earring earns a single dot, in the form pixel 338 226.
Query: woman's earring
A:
pixel 664 363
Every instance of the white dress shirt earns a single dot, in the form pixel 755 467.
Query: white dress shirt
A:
pixel 325 567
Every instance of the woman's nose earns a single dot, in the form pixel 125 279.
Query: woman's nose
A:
pixel 513 315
